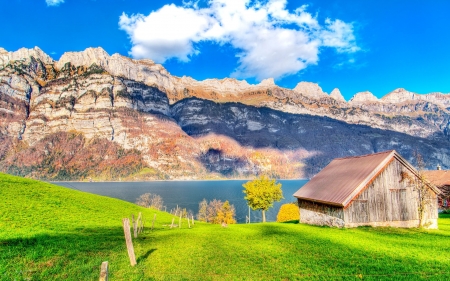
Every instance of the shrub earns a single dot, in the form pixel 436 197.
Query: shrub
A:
pixel 288 212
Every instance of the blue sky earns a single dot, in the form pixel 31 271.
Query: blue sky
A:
pixel 355 46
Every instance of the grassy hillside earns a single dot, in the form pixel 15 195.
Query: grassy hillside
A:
pixel 48 233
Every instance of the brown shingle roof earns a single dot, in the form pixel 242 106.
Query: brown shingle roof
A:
pixel 438 177
pixel 344 178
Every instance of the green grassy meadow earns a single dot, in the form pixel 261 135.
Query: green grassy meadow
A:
pixel 53 233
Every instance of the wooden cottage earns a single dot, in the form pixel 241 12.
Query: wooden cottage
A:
pixel 375 189
pixel 441 179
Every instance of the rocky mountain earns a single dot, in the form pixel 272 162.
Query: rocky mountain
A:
pixel 92 115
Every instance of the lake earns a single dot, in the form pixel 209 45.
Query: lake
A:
pixel 188 194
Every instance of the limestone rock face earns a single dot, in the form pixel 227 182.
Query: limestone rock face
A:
pixel 336 94
pixel 404 96
pixel 362 97
pixel 399 95
pixel 23 54
pixel 15 86
pixel 309 89
pixel 145 71
pixel 267 82
pixel 169 127
pixel 85 58
pixel 152 74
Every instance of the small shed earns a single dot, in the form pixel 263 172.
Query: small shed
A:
pixel 441 179
pixel 366 190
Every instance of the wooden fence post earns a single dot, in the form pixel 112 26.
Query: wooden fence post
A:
pixel 179 222
pixel 173 219
pixel 104 271
pixel 126 230
pixel 134 226
pixel 138 223
pixel 189 224
pixel 193 220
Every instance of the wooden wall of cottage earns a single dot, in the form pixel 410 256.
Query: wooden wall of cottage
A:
pixel 390 201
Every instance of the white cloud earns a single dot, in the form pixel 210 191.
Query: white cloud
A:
pixel 270 40
pixel 54 2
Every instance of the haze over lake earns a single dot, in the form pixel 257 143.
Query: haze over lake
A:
pixel 188 194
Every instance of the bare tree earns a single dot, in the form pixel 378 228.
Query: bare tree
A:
pixel 420 185
pixel 212 210
pixel 216 212
pixel 202 211
pixel 149 200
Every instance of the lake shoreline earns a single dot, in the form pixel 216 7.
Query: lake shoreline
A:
pixel 188 194
pixel 307 179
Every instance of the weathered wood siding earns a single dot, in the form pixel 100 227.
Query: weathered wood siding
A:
pixel 388 199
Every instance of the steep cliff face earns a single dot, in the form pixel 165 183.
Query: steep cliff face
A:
pixel 110 117
pixel 305 98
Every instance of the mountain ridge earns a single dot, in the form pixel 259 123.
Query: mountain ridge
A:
pixel 180 128
pixel 100 57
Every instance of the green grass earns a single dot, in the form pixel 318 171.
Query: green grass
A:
pixel 52 233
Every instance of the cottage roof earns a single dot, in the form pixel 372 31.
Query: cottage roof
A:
pixel 438 177
pixel 344 178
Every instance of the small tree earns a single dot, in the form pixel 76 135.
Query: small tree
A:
pixel 149 200
pixel 216 212
pixel 419 184
pixel 213 208
pixel 203 211
pixel 261 193
pixel 226 213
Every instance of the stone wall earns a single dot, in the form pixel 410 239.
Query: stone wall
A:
pixel 315 218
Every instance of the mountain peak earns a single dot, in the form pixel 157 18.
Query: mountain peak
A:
pixel 399 95
pixel 336 94
pixel 309 89
pixel 24 54
pixel 85 58
pixel 364 97
pixel 267 82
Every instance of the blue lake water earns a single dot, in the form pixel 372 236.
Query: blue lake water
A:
pixel 188 194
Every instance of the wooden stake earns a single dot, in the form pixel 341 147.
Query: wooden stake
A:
pixel 173 219
pixel 139 220
pixel 179 222
pixel 104 271
pixel 189 224
pixel 126 230
pixel 153 223
pixel 134 226
pixel 193 220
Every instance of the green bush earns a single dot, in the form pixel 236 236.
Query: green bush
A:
pixel 288 212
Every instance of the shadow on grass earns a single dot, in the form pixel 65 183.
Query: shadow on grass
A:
pixel 292 221
pixel 145 256
pixel 67 255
